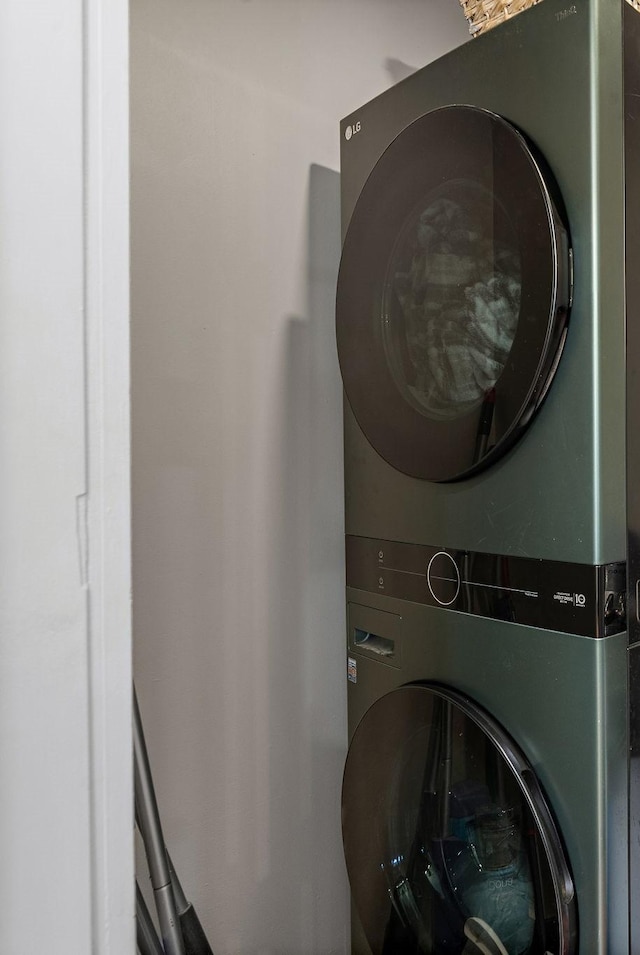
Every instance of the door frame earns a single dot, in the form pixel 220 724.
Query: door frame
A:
pixel 106 121
pixel 66 800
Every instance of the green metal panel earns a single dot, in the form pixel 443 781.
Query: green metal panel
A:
pixel 559 493
pixel 563 699
pixel 555 71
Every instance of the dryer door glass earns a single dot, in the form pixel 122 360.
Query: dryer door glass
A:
pixel 453 294
pixel 449 843
pixel 451 300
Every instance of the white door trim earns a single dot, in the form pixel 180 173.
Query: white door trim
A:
pixel 108 447
pixel 66 806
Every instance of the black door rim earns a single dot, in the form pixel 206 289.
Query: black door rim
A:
pixel 444 147
pixel 367 749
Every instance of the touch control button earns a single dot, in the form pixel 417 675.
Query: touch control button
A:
pixel 443 578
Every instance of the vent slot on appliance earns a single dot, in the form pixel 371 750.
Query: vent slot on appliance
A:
pixel 371 641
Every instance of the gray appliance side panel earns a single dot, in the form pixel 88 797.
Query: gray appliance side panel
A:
pixel 563 699
pixel 632 288
pixel 559 494
pixel 634 796
pixel 632 280
pixel 608 257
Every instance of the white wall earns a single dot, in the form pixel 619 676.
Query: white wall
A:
pixel 237 455
pixel 66 861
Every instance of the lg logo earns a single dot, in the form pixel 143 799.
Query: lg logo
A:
pixel 352 130
pixel 580 600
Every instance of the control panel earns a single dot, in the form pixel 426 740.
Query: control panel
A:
pixel 572 598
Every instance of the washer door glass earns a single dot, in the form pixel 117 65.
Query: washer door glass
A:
pixel 453 294
pixel 449 843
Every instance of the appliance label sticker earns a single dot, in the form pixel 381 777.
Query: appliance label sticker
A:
pixel 352 670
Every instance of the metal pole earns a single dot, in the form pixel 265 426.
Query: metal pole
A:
pixel 151 832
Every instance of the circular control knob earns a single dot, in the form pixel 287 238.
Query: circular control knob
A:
pixel 443 578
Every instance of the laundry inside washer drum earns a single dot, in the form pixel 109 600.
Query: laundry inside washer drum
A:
pixel 456 861
pixel 452 300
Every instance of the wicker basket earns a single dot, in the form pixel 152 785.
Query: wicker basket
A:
pixel 484 14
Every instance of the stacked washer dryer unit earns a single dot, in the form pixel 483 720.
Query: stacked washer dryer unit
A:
pixel 492 457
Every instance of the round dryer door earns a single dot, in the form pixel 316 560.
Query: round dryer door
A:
pixel 453 294
pixel 449 843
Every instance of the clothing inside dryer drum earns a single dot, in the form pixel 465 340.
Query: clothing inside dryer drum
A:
pixel 452 300
pixel 464 870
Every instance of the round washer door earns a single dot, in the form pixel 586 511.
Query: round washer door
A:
pixel 449 843
pixel 453 294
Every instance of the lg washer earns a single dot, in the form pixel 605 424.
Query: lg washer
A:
pixel 487 312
